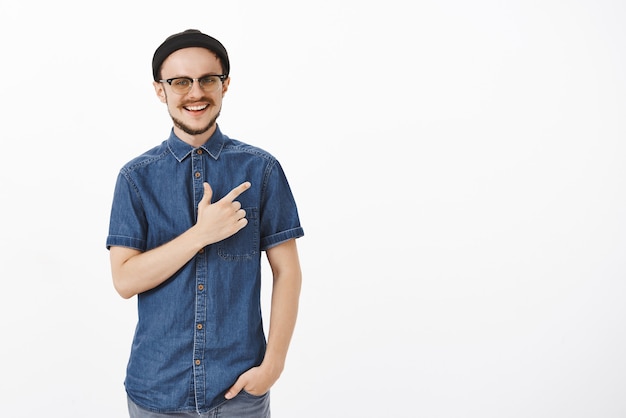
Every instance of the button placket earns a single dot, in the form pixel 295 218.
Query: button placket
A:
pixel 199 371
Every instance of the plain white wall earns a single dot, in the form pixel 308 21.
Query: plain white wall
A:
pixel 459 169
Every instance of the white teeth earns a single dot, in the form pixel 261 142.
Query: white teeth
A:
pixel 196 107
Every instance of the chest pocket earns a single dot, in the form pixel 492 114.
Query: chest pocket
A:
pixel 244 245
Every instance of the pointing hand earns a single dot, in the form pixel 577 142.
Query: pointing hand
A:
pixel 221 219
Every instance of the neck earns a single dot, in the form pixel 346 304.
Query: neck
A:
pixel 195 140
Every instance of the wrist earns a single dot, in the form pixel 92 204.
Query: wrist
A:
pixel 197 238
pixel 272 367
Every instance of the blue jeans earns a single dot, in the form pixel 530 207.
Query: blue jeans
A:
pixel 243 405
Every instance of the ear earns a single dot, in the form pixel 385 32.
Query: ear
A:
pixel 160 91
pixel 225 84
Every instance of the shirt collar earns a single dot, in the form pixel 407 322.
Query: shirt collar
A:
pixel 180 149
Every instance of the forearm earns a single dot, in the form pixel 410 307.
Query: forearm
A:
pixel 135 272
pixel 284 311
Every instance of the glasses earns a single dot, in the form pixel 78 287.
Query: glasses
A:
pixel 183 85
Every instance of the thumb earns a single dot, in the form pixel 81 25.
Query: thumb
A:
pixel 208 194
pixel 234 389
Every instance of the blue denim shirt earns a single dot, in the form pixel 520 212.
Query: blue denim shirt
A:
pixel 201 328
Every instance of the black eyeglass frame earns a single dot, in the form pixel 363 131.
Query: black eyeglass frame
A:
pixel 169 81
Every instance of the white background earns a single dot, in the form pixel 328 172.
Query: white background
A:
pixel 460 173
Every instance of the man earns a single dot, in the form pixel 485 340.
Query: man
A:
pixel 189 221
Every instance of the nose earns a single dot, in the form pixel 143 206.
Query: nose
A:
pixel 196 90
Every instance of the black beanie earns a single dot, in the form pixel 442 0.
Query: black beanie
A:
pixel 186 39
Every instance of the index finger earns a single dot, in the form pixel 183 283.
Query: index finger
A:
pixel 232 195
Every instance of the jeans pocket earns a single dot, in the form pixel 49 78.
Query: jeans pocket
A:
pixel 248 394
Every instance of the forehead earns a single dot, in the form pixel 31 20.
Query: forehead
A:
pixel 193 61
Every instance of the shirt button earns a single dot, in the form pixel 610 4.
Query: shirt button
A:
pixel 197 174
pixel 199 326
pixel 201 251
pixel 197 362
pixel 200 287
pixel 199 151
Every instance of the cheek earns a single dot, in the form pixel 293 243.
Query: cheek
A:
pixel 170 106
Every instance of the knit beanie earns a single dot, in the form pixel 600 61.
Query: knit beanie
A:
pixel 186 39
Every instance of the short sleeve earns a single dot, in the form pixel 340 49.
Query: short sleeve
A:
pixel 127 224
pixel 279 214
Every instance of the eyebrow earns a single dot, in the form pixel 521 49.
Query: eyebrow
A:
pixel 188 76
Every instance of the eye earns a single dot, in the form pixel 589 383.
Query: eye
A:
pixel 181 82
pixel 208 80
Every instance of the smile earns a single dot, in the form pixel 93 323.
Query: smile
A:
pixel 201 107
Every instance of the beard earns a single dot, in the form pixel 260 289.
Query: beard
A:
pixel 188 129
pixel 191 131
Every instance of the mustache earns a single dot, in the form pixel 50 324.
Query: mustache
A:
pixel 201 99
